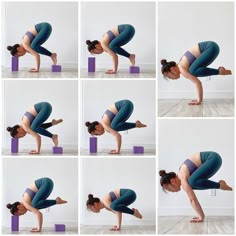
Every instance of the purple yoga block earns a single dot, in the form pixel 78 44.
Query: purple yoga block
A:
pixel 14 223
pixel 56 68
pixel 134 69
pixel 91 64
pixel 138 149
pixel 93 144
pixel 60 227
pixel 14 64
pixel 57 150
pixel 14 145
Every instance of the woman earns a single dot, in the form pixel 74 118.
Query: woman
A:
pixel 32 43
pixel 111 43
pixel 33 123
pixel 34 199
pixel 114 120
pixel 116 201
pixel 194 63
pixel 194 173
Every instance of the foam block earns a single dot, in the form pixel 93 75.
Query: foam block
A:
pixel 91 64
pixel 60 228
pixel 56 68
pixel 57 150
pixel 14 223
pixel 138 149
pixel 14 64
pixel 14 145
pixel 93 144
pixel 134 69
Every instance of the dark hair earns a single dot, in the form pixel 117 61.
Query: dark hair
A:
pixel 92 45
pixel 167 65
pixel 13 49
pixel 13 130
pixel 166 177
pixel 91 126
pixel 91 200
pixel 13 207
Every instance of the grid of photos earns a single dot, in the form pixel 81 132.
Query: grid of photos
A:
pixel 110 107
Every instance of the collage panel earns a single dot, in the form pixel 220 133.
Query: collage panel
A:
pixel 116 42
pixel 123 197
pixel 40 43
pixel 195 59
pixel 118 117
pixel 196 176
pixel 47 112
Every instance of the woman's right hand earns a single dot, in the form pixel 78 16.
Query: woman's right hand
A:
pixel 197 219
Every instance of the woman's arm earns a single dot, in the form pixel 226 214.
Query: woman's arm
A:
pixel 119 220
pixel 194 202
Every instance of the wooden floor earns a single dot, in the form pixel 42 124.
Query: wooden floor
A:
pixel 209 108
pixel 127 229
pixel 181 225
pixel 121 74
pixel 44 73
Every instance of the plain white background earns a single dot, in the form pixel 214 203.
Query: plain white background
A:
pixel 97 96
pixel 182 25
pixel 18 17
pixel 179 139
pixel 16 180
pixel 102 175
pixel 99 17
pixel 62 95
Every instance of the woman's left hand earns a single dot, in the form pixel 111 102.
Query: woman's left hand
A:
pixel 110 72
pixel 33 70
pixel 114 152
pixel 194 102
pixel 115 228
pixel 33 152
pixel 196 220
pixel 35 230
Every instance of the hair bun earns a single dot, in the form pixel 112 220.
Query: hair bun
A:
pixel 88 42
pixel 90 196
pixel 9 48
pixel 162 172
pixel 9 206
pixel 163 61
pixel 87 123
pixel 9 129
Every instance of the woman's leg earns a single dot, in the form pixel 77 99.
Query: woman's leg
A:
pixel 126 33
pixel 211 163
pixel 45 187
pixel 44 30
pixel 125 109
pixel 50 124
pixel 209 51
pixel 44 110
pixel 127 197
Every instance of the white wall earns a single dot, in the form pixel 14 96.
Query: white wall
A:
pixel 16 180
pixel 99 17
pixel 136 174
pixel 182 25
pixel 63 16
pixel 97 96
pixel 179 139
pixel 63 96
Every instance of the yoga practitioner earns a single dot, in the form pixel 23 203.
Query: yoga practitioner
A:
pixel 194 63
pixel 34 199
pixel 194 174
pixel 111 43
pixel 116 201
pixel 114 120
pixel 32 43
pixel 33 123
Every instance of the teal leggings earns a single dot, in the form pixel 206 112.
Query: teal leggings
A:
pixel 211 163
pixel 209 51
pixel 125 109
pixel 126 33
pixel 44 110
pixel 127 197
pixel 45 187
pixel 44 30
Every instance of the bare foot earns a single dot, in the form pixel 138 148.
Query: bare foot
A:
pixel 56 122
pixel 55 139
pixel 54 58
pixel 224 186
pixel 223 71
pixel 60 201
pixel 139 124
pixel 132 59
pixel 137 214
